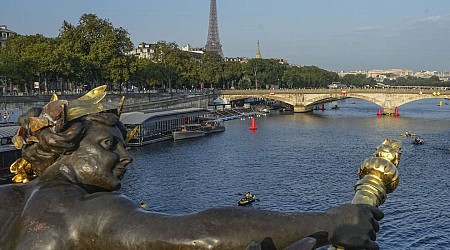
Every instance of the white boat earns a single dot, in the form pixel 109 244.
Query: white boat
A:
pixel 188 131
pixel 213 126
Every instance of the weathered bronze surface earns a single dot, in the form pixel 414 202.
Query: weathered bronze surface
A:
pixel 64 198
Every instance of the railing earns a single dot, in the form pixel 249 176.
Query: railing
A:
pixel 164 103
pixel 328 91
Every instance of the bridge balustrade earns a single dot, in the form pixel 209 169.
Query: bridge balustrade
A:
pixel 320 91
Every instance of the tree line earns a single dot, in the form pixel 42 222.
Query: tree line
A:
pixel 94 52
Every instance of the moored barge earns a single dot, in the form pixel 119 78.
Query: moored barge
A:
pixel 158 126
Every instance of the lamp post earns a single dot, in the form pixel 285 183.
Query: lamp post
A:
pixel 256 81
pixel 3 79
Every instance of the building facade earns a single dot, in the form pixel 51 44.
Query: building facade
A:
pixel 4 34
pixel 380 74
pixel 144 51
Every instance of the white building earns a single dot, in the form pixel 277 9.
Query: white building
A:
pixel 144 50
pixel 380 74
pixel 236 59
pixel 4 34
pixel 189 48
pixel 443 75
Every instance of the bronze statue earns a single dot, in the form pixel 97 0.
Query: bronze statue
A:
pixel 73 156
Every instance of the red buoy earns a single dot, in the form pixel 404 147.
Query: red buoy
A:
pixel 253 126
pixel 396 114
pixel 379 112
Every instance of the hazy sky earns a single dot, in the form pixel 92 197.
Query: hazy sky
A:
pixel 332 34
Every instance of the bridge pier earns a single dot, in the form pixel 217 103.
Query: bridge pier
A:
pixel 302 109
pixel 388 111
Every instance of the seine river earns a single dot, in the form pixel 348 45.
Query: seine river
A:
pixel 308 162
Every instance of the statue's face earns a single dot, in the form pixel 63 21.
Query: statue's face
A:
pixel 101 159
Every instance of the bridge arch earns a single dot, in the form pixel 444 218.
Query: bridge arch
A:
pixel 266 97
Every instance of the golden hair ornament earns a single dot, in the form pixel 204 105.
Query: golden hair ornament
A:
pixel 21 168
pixel 91 103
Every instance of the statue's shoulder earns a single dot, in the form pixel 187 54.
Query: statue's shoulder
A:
pixel 52 193
pixel 113 199
pixel 11 194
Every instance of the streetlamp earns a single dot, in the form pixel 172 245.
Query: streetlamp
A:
pixel 3 79
pixel 256 75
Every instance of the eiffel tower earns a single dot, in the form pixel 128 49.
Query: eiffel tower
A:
pixel 213 41
pixel 258 52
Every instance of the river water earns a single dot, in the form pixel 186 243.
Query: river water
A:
pixel 308 162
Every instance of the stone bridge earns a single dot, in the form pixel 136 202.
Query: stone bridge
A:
pixel 304 100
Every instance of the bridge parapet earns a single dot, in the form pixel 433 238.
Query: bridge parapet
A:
pixel 323 91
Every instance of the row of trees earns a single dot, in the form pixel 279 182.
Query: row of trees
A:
pixel 94 52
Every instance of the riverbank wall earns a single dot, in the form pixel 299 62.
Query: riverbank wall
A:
pixel 133 101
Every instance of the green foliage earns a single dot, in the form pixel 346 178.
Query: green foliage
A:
pixel 308 77
pixel 212 70
pixel 416 81
pixel 357 80
pixel 232 74
pixel 26 59
pixel 179 68
pixel 264 72
pixel 97 50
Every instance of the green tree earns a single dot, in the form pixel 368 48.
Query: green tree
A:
pixel 29 58
pixel 291 76
pixel 42 55
pixel 358 80
pixel 433 81
pixel 308 77
pixel 254 71
pixel 212 69
pixel 100 49
pixel 10 66
pixel 264 72
pixel 232 74
pixel 168 55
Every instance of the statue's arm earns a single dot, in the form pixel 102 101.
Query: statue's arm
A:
pixel 123 223
pixel 220 228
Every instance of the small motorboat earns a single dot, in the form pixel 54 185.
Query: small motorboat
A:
pixel 212 126
pixel 188 131
pixel 418 140
pixel 408 134
pixel 248 199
